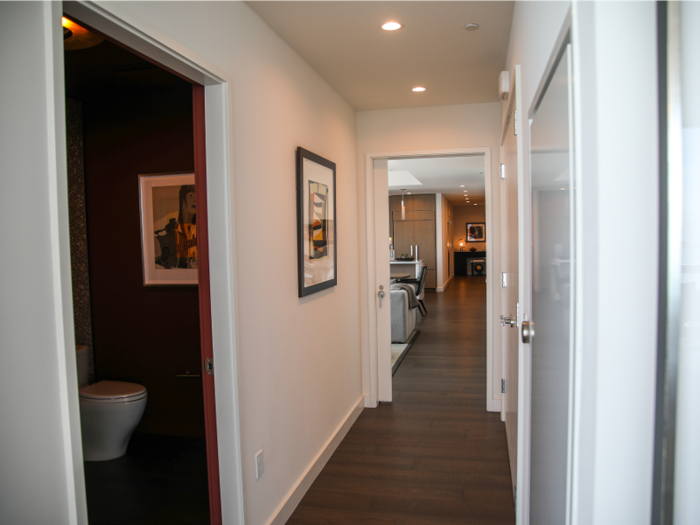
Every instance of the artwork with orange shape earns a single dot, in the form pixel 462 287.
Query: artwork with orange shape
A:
pixel 318 236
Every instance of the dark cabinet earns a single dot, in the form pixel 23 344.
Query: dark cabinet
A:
pixel 464 263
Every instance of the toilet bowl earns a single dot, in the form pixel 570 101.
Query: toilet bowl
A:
pixel 109 413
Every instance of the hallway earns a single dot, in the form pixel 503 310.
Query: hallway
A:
pixel 433 456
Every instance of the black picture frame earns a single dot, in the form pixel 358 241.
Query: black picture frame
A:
pixel 317 254
pixel 476 232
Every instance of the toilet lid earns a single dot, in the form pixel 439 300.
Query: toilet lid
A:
pixel 112 390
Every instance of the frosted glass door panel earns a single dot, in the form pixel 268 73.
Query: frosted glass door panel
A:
pixel 552 286
pixel 687 482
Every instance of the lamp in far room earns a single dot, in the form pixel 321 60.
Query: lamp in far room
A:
pixel 461 245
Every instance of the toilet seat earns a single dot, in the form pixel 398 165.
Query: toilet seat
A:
pixel 111 392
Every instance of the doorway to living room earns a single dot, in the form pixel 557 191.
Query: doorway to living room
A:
pixel 419 210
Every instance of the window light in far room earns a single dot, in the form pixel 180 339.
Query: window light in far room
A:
pixel 403 207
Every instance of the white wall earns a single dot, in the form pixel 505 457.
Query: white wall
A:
pixel 617 225
pixel 298 359
pixel 428 128
pixel 463 215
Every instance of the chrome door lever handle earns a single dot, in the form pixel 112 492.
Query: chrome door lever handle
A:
pixel 381 295
pixel 508 321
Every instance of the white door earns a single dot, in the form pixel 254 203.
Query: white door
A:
pixel 551 311
pixel 381 256
pixel 509 287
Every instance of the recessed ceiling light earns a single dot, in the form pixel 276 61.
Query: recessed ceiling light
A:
pixel 391 26
pixel 475 205
pixel 471 27
pixel 461 185
pixel 418 89
pixel 408 193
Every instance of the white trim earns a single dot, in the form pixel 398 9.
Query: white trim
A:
pixel 522 509
pixel 447 284
pixel 291 501
pixel 163 49
pixel 61 265
pixel 370 355
pixel 438 244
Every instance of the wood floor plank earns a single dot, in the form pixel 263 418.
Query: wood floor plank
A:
pixel 434 456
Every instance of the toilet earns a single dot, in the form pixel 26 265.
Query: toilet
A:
pixel 109 413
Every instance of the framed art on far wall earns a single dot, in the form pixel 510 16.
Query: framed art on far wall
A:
pixel 317 258
pixel 476 232
pixel 168 229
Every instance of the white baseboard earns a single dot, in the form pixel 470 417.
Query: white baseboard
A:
pixel 493 405
pixel 284 511
pixel 444 286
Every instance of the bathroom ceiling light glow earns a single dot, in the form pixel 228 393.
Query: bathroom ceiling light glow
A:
pixel 418 89
pixel 391 26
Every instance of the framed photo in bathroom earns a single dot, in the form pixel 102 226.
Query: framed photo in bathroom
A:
pixel 317 259
pixel 168 229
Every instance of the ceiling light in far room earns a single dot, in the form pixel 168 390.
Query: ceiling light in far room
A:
pixel 471 26
pixel 461 185
pixel 418 89
pixel 391 26
pixel 77 37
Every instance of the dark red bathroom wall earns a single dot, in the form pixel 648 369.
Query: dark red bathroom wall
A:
pixel 147 335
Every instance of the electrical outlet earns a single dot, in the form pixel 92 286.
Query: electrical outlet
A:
pixel 259 468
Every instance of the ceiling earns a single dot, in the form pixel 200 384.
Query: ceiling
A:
pixel 447 175
pixel 376 69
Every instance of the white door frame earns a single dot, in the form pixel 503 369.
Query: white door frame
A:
pixel 167 51
pixel 371 354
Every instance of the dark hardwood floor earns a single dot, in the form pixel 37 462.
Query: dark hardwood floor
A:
pixel 434 456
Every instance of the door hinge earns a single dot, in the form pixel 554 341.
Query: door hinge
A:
pixel 503 386
pixel 503 171
pixel 504 279
pixel 515 121
pixel 209 366
pixel 515 495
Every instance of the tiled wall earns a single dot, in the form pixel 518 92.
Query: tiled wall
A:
pixel 82 317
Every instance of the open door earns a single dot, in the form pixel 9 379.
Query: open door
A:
pixel 509 279
pixel 552 241
pixel 381 287
pixel 205 329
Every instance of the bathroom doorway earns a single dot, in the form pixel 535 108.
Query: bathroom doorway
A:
pixel 126 117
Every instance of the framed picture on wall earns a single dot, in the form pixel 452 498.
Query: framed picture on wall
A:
pixel 317 258
pixel 476 232
pixel 168 229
